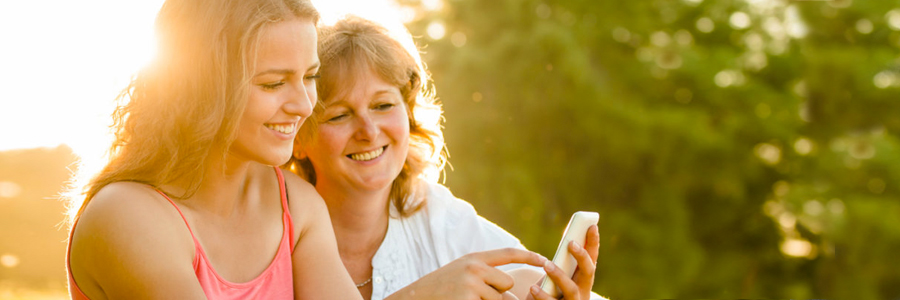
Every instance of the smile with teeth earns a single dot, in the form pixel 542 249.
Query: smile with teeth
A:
pixel 286 129
pixel 366 156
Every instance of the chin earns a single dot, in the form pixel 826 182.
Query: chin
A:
pixel 275 159
pixel 378 184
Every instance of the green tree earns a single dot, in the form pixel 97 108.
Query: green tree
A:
pixel 734 149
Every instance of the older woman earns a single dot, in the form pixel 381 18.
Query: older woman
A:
pixel 190 205
pixel 373 149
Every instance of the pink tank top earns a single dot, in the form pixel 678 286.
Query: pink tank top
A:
pixel 276 282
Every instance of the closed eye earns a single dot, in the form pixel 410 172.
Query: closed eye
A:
pixel 337 118
pixel 384 106
pixel 271 86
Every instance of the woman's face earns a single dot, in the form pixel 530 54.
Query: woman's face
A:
pixel 362 139
pixel 282 92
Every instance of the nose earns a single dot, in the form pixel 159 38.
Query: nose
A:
pixel 301 101
pixel 366 128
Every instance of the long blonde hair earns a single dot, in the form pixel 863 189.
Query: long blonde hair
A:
pixel 191 97
pixel 347 50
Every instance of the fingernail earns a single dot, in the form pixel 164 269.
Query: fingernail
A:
pixel 548 265
pixel 576 244
pixel 534 290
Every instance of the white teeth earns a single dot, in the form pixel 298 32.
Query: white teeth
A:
pixel 286 129
pixel 368 155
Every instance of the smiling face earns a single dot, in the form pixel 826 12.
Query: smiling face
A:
pixel 282 92
pixel 362 139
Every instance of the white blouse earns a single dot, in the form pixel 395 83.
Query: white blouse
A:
pixel 445 229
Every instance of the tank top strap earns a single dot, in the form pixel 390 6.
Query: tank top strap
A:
pixel 288 221
pixel 191 231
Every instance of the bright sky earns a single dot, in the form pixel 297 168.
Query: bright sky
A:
pixel 63 62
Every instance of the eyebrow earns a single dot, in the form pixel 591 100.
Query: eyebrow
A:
pixel 342 101
pixel 386 91
pixel 275 71
pixel 285 71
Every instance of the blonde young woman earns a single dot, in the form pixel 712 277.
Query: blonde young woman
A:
pixel 369 149
pixel 189 205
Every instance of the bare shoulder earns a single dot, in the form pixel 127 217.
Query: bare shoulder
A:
pixel 302 196
pixel 305 204
pixel 126 230
pixel 123 209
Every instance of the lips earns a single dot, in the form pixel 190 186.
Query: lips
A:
pixel 367 156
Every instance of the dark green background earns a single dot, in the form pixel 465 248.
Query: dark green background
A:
pixel 581 105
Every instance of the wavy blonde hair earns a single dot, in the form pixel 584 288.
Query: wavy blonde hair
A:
pixel 189 100
pixel 348 50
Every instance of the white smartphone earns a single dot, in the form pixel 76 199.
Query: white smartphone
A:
pixel 575 231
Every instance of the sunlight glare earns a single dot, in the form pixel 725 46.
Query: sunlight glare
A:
pixel 387 13
pixel 61 77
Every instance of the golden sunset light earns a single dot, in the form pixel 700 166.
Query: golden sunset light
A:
pixel 743 149
pixel 67 60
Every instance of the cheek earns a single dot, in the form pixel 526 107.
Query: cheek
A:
pixel 330 141
pixel 400 127
pixel 256 107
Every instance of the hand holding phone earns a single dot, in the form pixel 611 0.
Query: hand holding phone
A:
pixel 575 231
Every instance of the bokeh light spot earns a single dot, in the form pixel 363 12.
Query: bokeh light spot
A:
pixel 797 248
pixel 768 153
pixel 739 20
pixel 432 5
pixel 893 19
pixel 726 78
pixel 885 79
pixel 684 37
pixel 9 189
pixel 795 26
pixel 660 39
pixel 803 146
pixel 669 60
pixel 813 207
pixel 836 206
pixel 9 260
pixel 754 41
pixel 458 39
pixel 436 30
pixel 861 149
pixel 477 97
pixel 621 35
pixel 756 61
pixel 787 220
pixel 864 26
pixel 705 25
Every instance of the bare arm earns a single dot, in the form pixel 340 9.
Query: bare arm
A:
pixel 129 244
pixel 318 270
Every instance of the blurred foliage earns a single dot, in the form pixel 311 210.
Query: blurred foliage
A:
pixel 734 149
